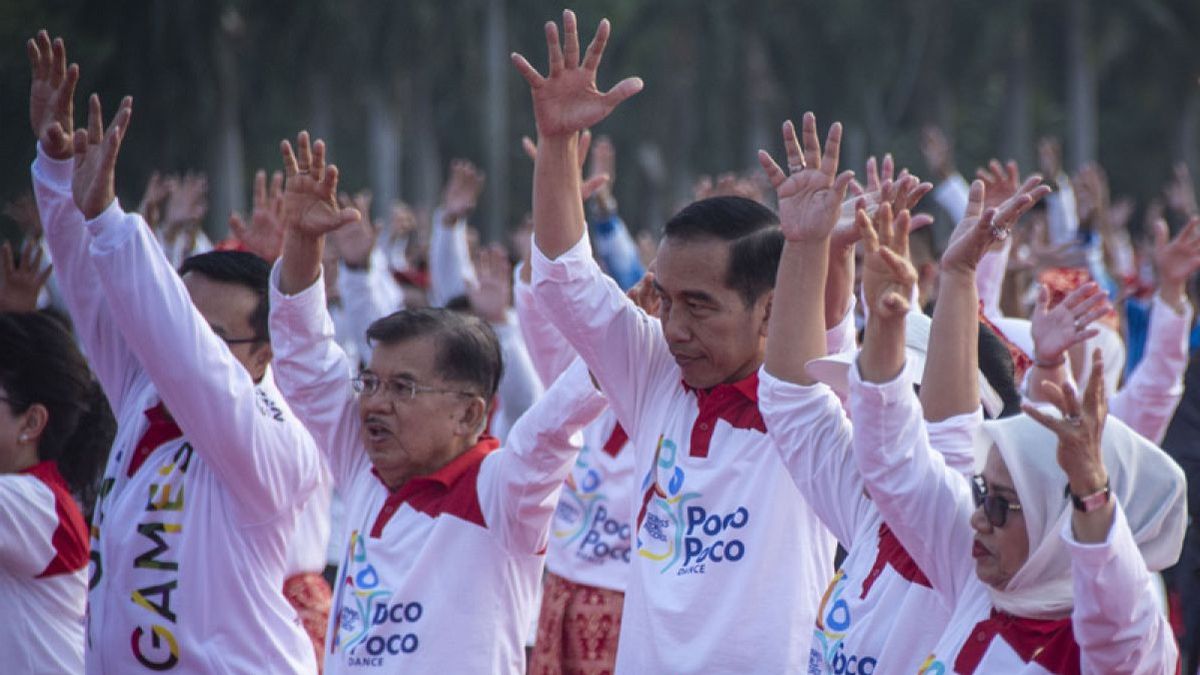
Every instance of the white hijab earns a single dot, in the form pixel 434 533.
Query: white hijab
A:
pixel 1148 484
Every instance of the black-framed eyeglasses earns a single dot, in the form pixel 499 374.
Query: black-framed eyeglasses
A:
pixel 240 341
pixel 995 507
pixel 399 389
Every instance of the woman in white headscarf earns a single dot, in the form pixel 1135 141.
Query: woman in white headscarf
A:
pixel 1047 565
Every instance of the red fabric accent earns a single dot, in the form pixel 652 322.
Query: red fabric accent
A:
pixel 162 429
pixel 231 243
pixel 70 538
pixel 418 278
pixel 653 490
pixel 577 629
pixel 451 490
pixel 616 441
pixel 736 403
pixel 1049 643
pixel 892 552
pixel 1021 361
pixel 1060 281
pixel 310 596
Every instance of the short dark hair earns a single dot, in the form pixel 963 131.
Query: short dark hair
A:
pixel 468 349
pixel 243 269
pixel 752 230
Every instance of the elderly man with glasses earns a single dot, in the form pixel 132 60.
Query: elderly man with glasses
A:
pixel 446 532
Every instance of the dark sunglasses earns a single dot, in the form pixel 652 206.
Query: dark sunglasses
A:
pixel 996 508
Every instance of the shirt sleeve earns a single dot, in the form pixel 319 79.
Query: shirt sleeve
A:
pixel 313 374
pixel 28 520
pixel 450 266
pixel 620 343
pixel 519 484
pixel 953 195
pixel 954 437
pixel 914 490
pixel 251 440
pixel 67 241
pixel 519 383
pixel 366 297
pixel 989 279
pixel 1148 400
pixel 813 436
pixel 548 349
pixel 1117 620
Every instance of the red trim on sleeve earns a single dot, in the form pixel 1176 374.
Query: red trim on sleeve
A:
pixel 736 403
pixel 162 429
pixel 1048 643
pixel 70 538
pixel 892 552
pixel 451 490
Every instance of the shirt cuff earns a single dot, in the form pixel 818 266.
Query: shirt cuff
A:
pixel 306 308
pixel 573 264
pixel 786 392
pixel 110 230
pixel 880 394
pixel 56 172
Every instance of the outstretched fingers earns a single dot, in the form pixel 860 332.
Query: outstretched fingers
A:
pixel 975 199
pixel 595 50
pixel 553 48
pixel 810 142
pixel 622 90
pixel 775 175
pixel 291 167
pixel 95 127
pixel 570 40
pixel 527 71
pixel 791 146
pixel 833 150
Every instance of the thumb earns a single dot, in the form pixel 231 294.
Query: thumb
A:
pixel 623 90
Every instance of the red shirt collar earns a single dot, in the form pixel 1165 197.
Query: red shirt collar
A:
pixel 47 471
pixel 747 387
pixel 454 469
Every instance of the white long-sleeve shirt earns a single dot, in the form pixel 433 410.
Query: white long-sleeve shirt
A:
pixel 451 270
pixel 43 573
pixel 440 574
pixel 729 559
pixel 1147 401
pixel 591 534
pixel 190 532
pixel 1115 625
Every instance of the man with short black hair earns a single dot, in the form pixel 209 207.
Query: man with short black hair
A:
pixel 447 531
pixel 729 560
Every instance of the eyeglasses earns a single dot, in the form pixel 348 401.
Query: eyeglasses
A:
pixel 404 390
pixel 240 341
pixel 995 507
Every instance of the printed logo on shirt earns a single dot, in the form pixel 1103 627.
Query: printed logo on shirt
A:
pixel 155 573
pixel 370 626
pixel 828 653
pixel 684 536
pixel 581 521
pixel 932 666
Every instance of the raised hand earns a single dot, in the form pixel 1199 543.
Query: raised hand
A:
pixel 151 206
pixel 603 163
pixel 310 207
pixel 1176 260
pixel 810 198
pixel 597 181
pixel 1067 324
pixel 356 241
pixel 888 276
pixel 1180 193
pixel 983 228
pixel 902 193
pixel 938 153
pixel 491 294
pixel 186 205
pixel 567 101
pixel 1079 429
pixel 263 235
pixel 95 149
pixel 1050 157
pixel 24 212
pixel 51 96
pixel 644 295
pixel 462 190
pixel 24 279
pixel 1000 182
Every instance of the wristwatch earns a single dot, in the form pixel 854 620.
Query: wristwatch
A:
pixel 1090 502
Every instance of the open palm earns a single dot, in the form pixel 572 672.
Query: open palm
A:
pixel 810 199
pixel 310 203
pixel 51 94
pixel 567 100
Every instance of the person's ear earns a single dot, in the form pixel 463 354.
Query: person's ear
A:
pixel 261 356
pixel 473 417
pixel 33 422
pixel 766 301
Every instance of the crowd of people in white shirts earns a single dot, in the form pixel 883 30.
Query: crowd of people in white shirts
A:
pixel 329 445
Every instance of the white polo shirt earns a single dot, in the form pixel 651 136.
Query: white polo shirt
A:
pixel 190 533
pixel 442 573
pixel 729 560
pixel 43 572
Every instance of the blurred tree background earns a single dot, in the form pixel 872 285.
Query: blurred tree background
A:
pixel 399 88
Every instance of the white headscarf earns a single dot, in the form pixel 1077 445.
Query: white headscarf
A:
pixel 1148 484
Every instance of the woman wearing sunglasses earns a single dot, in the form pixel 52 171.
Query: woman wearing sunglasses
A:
pixel 1046 567
pixel 55 429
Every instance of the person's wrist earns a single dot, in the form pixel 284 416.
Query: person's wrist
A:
pixel 1088 482
pixel 1049 362
pixel 1172 293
